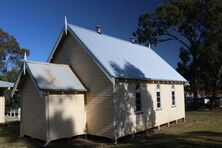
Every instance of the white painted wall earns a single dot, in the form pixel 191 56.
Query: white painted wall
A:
pixel 128 121
pixel 67 115
pixel 2 109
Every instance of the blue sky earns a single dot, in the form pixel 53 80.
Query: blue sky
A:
pixel 36 24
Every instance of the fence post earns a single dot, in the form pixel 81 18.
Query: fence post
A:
pixel 14 113
pixel 19 113
pixel 10 112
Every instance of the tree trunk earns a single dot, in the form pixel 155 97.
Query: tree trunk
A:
pixel 213 99
pixel 195 98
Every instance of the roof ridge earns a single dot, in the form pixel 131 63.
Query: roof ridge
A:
pixel 135 44
pixel 6 84
pixel 5 81
pixel 46 63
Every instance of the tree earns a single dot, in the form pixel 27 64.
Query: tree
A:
pixel 196 25
pixel 211 67
pixel 10 52
pixel 11 55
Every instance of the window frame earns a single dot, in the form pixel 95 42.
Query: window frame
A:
pixel 158 96
pixel 173 96
pixel 138 100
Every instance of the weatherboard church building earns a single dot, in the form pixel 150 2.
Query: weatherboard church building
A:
pixel 95 84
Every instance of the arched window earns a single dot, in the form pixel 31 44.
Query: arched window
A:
pixel 138 97
pixel 158 98
pixel 158 86
pixel 137 86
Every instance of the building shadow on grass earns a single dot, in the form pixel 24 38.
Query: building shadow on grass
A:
pixel 9 133
pixel 198 139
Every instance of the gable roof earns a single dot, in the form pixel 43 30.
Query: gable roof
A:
pixel 123 59
pixel 4 84
pixel 52 77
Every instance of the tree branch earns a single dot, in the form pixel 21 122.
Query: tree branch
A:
pixel 201 35
pixel 163 40
pixel 176 38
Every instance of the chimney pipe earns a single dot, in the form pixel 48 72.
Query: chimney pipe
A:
pixel 132 39
pixel 98 29
pixel 149 45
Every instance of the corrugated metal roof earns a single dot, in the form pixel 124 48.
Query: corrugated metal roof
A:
pixel 6 84
pixel 54 77
pixel 124 59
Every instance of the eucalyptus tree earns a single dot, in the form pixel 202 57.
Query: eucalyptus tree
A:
pixel 196 25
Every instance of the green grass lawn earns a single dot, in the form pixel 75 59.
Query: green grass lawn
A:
pixel 201 129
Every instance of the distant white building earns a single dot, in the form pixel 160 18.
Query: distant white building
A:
pixel 3 86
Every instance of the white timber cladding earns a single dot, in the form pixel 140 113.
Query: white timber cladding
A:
pixel 2 109
pixel 66 115
pixel 33 120
pixel 99 98
pixel 128 121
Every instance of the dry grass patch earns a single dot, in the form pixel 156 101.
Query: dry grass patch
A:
pixel 201 129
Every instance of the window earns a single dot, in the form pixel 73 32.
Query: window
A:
pixel 138 102
pixel 173 96
pixel 158 100
pixel 1 92
pixel 138 98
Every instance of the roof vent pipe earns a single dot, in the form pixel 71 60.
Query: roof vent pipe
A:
pixel 132 39
pixel 98 29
